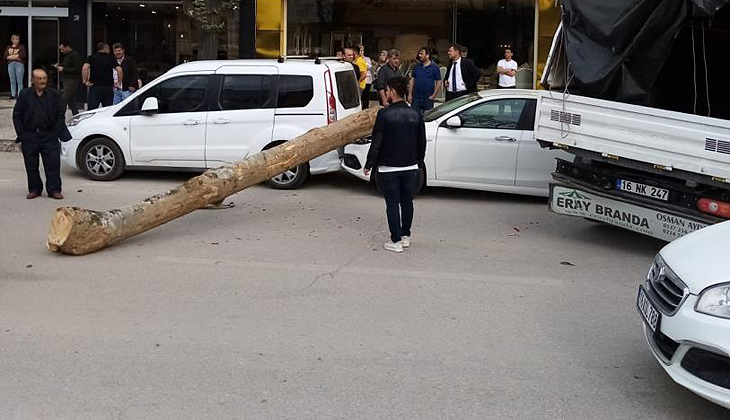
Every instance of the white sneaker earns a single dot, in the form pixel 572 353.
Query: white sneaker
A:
pixel 393 246
pixel 405 241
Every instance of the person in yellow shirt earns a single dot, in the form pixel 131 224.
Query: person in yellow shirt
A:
pixel 360 62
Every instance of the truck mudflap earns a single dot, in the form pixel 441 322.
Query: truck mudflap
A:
pixel 655 222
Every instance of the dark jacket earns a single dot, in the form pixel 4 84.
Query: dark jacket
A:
pixel 386 73
pixel 72 64
pixel 23 115
pixel 129 73
pixel 469 71
pixel 399 137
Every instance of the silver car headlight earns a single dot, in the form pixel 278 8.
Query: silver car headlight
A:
pixel 715 301
pixel 77 119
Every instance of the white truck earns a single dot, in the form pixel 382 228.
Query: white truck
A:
pixel 657 172
pixel 660 168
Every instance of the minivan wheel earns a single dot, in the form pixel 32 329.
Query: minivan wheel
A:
pixel 290 179
pixel 419 184
pixel 101 160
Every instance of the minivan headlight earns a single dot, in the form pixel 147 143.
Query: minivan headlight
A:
pixel 77 119
pixel 715 301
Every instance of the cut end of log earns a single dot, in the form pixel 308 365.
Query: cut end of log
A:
pixel 61 225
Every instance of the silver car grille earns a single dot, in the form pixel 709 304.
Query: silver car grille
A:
pixel 665 288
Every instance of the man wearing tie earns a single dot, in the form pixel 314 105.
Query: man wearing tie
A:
pixel 461 76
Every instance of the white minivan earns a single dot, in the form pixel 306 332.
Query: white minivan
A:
pixel 205 114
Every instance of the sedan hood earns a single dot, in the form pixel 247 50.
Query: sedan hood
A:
pixel 700 259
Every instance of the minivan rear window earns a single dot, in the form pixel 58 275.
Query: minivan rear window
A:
pixel 294 91
pixel 348 89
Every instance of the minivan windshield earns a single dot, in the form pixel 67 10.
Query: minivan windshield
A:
pixel 449 106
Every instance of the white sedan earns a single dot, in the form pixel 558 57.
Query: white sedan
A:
pixel 685 306
pixel 482 141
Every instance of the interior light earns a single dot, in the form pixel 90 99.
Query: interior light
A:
pixel 141 5
pixel 154 12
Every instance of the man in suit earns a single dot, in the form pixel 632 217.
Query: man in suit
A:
pixel 461 76
pixel 38 117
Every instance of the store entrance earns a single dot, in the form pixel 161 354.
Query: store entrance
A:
pixel 45 40
pixel 10 25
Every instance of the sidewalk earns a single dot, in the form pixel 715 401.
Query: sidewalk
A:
pixel 7 131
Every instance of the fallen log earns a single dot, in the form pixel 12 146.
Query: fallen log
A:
pixel 80 231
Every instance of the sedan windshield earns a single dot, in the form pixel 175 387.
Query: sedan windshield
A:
pixel 450 106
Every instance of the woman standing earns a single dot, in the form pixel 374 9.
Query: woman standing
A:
pixel 368 80
pixel 15 56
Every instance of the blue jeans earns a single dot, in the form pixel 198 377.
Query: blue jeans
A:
pixel 398 189
pixel 422 104
pixel 16 71
pixel 120 95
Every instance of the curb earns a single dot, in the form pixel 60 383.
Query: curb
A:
pixel 9 146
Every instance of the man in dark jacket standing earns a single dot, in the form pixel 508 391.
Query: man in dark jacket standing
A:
pixel 70 75
pixel 462 75
pixel 125 88
pixel 397 149
pixel 38 117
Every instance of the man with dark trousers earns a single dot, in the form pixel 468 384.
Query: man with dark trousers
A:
pixel 38 117
pixel 70 73
pixel 98 75
pixel 397 149
pixel 462 75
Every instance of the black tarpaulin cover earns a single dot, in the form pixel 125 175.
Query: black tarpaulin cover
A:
pixel 617 48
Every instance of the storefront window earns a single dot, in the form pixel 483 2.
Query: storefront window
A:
pixel 161 35
pixel 485 27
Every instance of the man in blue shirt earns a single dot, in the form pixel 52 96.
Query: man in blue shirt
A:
pixel 424 85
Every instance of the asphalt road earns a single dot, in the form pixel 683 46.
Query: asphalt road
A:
pixel 286 306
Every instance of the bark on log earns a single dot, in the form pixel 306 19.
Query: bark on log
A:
pixel 79 231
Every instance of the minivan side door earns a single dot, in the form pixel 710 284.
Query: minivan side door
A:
pixel 241 120
pixel 175 135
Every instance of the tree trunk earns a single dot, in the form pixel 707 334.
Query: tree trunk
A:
pixel 79 231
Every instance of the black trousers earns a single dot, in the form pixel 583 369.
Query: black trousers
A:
pixel 100 95
pixel 454 95
pixel 49 150
pixel 398 189
pixel 69 92
pixel 365 97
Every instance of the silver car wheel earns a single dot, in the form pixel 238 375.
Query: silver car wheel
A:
pixel 286 177
pixel 100 160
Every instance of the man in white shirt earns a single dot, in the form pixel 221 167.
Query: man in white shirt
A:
pixel 507 68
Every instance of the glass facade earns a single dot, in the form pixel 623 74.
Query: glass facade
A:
pixel 161 35
pixel 485 27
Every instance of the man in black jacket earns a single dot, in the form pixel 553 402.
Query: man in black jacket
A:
pixel 70 73
pixel 131 81
pixel 462 75
pixel 38 117
pixel 397 149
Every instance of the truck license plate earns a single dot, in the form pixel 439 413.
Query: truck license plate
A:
pixel 650 314
pixel 643 189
